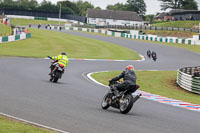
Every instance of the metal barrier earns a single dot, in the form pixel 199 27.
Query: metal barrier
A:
pixel 186 81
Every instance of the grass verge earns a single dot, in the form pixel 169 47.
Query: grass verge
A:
pixel 22 22
pixel 156 82
pixel 45 43
pixel 5 30
pixel 8 125
pixel 180 34
pixel 193 48
pixel 181 24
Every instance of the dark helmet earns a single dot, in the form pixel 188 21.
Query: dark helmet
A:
pixel 63 53
pixel 129 67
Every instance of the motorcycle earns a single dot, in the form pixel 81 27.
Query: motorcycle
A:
pixel 56 71
pixel 149 54
pixel 154 57
pixel 120 100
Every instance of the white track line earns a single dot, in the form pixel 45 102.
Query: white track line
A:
pixel 33 123
pixel 153 98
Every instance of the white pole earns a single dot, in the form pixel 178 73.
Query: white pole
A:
pixel 199 31
pixel 59 14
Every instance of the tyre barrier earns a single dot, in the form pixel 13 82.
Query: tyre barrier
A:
pixel 12 38
pixel 186 81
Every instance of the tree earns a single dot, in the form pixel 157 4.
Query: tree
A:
pixel 67 4
pixel 98 8
pixel 27 4
pixel 190 5
pixel 47 6
pixel 83 6
pixel 138 6
pixel 179 4
pixel 118 6
pixel 149 18
pixel 33 4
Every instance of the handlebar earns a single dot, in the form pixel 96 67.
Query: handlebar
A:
pixel 49 57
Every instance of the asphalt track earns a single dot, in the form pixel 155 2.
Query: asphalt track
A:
pixel 73 104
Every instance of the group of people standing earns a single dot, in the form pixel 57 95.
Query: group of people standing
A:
pixel 196 73
pixel 152 55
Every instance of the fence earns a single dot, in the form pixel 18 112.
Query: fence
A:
pixel 11 38
pixel 186 81
pixel 41 14
pixel 137 27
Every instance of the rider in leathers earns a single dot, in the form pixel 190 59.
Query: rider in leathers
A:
pixel 129 80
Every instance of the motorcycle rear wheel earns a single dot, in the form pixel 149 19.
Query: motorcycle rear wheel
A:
pixel 57 75
pixel 126 104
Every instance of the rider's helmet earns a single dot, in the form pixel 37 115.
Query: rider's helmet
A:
pixel 63 53
pixel 129 67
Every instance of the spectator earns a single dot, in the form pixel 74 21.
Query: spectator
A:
pixel 196 73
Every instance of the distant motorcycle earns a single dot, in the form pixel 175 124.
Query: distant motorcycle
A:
pixel 56 71
pixel 154 57
pixel 121 100
pixel 149 53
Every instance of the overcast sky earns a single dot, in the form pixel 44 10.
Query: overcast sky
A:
pixel 153 6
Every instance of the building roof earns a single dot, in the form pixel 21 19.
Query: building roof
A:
pixel 182 11
pixel 161 15
pixel 110 14
pixel 176 11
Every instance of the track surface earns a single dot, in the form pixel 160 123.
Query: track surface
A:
pixel 73 104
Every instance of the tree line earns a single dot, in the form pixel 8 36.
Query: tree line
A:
pixel 80 7
pixel 139 6
pixel 74 8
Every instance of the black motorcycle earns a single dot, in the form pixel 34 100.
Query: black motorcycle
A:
pixel 149 54
pixel 154 57
pixel 121 100
pixel 56 71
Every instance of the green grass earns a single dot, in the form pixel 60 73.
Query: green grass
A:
pixel 5 30
pixel 181 24
pixel 156 82
pixel 12 126
pixel 188 47
pixel 22 22
pixel 45 43
pixel 180 34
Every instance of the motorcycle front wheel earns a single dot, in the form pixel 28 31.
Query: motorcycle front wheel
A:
pixel 126 104
pixel 105 102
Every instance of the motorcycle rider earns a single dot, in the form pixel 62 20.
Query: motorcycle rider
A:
pixel 129 80
pixel 60 59
pixel 149 53
pixel 154 56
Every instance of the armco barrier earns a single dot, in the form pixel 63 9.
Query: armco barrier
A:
pixel 12 38
pixel 186 81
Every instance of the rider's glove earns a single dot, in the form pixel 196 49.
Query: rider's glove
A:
pixel 49 57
